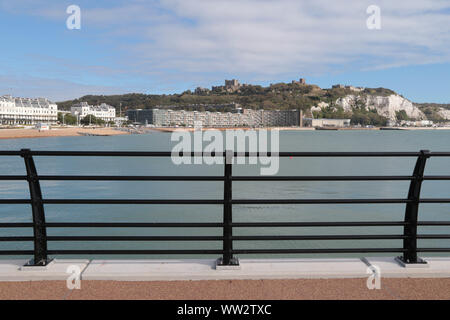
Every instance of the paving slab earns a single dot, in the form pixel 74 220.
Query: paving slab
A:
pixel 205 269
pixel 14 270
pixel 437 267
pixel 152 270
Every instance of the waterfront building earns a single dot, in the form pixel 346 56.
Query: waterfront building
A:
pixel 141 116
pixel 14 110
pixel 238 118
pixel 104 111
pixel 324 123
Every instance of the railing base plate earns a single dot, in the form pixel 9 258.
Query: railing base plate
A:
pixel 234 264
pixel 31 265
pixel 419 264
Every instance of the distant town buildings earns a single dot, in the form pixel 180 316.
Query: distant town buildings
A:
pixel 14 110
pixel 410 123
pixel 104 111
pixel 327 123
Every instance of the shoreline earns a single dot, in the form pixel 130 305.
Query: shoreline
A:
pixel 21 133
pixel 172 129
pixel 58 132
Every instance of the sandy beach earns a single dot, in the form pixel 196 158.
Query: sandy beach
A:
pixel 56 132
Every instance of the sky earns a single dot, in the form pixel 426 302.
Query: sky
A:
pixel 169 46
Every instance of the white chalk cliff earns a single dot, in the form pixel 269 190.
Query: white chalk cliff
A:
pixel 444 113
pixel 386 106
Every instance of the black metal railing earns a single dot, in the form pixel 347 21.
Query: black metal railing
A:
pixel 409 250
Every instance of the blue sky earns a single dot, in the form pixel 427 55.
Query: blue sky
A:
pixel 168 46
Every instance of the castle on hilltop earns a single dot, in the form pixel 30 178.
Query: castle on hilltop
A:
pixel 234 85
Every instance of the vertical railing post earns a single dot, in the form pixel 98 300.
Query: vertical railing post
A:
pixel 412 211
pixel 37 206
pixel 227 258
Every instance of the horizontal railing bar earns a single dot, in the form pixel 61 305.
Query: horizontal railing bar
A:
pixel 10 153
pixel 436 178
pixel 133 178
pixel 16 252
pixel 435 200
pixel 439 154
pixel 217 201
pixel 345 250
pixel 130 201
pixel 134 238
pixel 433 236
pixel 219 224
pixel 433 249
pixel 11 177
pixel 221 154
pixel 319 224
pixel 220 238
pixel 433 223
pixel 16 238
pixel 209 238
pixel 317 201
pixel 125 252
pixel 15 201
pixel 319 237
pixel 320 178
pixel 132 225
pixel 102 153
pixel 16 225
pixel 220 178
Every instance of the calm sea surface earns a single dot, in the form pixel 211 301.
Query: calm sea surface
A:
pixel 289 141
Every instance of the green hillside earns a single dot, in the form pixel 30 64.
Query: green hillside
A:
pixel 277 96
pixel 282 96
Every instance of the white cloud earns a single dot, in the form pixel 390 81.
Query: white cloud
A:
pixel 276 37
pixel 261 38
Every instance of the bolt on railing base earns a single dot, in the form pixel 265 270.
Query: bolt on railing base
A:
pixel 41 263
pixel 233 265
pixel 420 263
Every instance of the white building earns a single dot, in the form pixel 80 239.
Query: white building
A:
pixel 104 111
pixel 27 111
pixel 330 123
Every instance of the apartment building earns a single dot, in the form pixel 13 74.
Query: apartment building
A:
pixel 239 118
pixel 104 111
pixel 15 110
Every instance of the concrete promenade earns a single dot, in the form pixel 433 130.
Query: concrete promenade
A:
pixel 199 279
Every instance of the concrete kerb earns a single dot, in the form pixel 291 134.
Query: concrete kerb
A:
pixel 205 269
